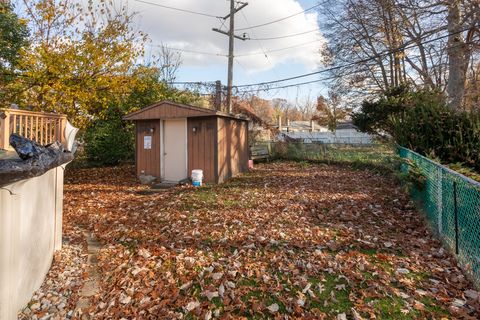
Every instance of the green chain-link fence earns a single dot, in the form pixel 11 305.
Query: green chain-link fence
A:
pixel 451 202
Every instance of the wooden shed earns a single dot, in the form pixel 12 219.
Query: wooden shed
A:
pixel 173 139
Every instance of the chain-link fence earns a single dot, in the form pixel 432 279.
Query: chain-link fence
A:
pixel 451 203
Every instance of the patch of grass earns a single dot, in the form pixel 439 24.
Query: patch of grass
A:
pixel 217 301
pixel 368 251
pixel 391 308
pixel 433 307
pixel 418 276
pixel 272 299
pixel 245 282
pixel 266 298
pixel 195 290
pixel 252 294
pixel 331 300
pixel 379 158
pixel 206 195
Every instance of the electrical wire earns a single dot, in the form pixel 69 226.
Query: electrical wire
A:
pixel 178 9
pixel 263 52
pixel 377 56
pixel 286 36
pixel 334 77
pixel 277 50
pixel 260 44
pixel 281 19
pixel 191 51
pixel 362 61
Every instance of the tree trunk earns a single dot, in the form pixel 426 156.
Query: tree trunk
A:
pixel 457 56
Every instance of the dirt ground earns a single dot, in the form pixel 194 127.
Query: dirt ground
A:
pixel 286 240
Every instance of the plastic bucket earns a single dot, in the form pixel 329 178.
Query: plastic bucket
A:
pixel 197 177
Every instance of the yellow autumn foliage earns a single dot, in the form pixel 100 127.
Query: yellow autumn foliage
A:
pixel 81 59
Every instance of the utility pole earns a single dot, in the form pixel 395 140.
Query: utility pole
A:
pixel 218 95
pixel 231 40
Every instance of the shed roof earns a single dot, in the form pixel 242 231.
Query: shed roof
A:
pixel 172 110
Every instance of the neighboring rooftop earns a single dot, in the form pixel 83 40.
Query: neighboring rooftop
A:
pixel 302 126
pixel 346 126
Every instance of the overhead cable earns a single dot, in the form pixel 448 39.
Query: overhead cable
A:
pixel 281 19
pixel 178 9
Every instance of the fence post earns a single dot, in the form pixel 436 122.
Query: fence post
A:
pixel 455 211
pixel 4 130
pixel 63 126
pixel 440 200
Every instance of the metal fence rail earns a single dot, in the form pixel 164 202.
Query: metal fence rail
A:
pixel 451 203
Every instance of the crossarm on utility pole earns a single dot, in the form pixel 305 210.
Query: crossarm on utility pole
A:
pixel 243 37
pixel 244 4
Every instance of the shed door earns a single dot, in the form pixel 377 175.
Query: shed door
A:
pixel 175 150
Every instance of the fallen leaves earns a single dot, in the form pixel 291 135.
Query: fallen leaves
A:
pixel 286 239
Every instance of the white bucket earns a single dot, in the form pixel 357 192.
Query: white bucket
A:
pixel 197 177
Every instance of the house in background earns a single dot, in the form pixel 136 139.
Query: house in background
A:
pixel 312 132
pixel 173 139
pixel 300 126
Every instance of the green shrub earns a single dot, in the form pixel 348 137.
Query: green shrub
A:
pixel 110 141
pixel 438 131
pixel 422 121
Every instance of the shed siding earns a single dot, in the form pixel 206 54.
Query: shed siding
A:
pixel 232 148
pixel 148 160
pixel 201 146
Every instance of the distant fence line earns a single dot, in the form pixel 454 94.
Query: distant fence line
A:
pixel 327 152
pixel 329 138
pixel 451 203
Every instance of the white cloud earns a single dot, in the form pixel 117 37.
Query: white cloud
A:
pixel 194 33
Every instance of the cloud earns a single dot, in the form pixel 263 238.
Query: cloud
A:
pixel 194 33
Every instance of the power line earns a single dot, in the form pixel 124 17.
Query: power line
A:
pixel 263 52
pixel 318 80
pixel 178 9
pixel 191 51
pixel 261 45
pixel 281 19
pixel 379 55
pixel 286 36
pixel 299 84
pixel 277 50
pixel 407 45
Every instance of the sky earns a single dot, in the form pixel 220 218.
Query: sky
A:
pixel 256 60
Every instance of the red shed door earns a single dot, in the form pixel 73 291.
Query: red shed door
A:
pixel 175 150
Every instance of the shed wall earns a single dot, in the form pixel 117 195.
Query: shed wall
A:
pixel 202 146
pixel 148 160
pixel 232 147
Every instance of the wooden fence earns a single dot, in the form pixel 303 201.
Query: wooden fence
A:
pixel 43 128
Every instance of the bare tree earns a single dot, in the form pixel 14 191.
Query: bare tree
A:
pixel 169 62
pixel 330 110
pixel 374 45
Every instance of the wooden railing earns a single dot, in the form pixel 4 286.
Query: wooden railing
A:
pixel 43 128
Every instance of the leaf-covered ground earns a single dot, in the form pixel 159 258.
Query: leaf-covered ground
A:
pixel 286 240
